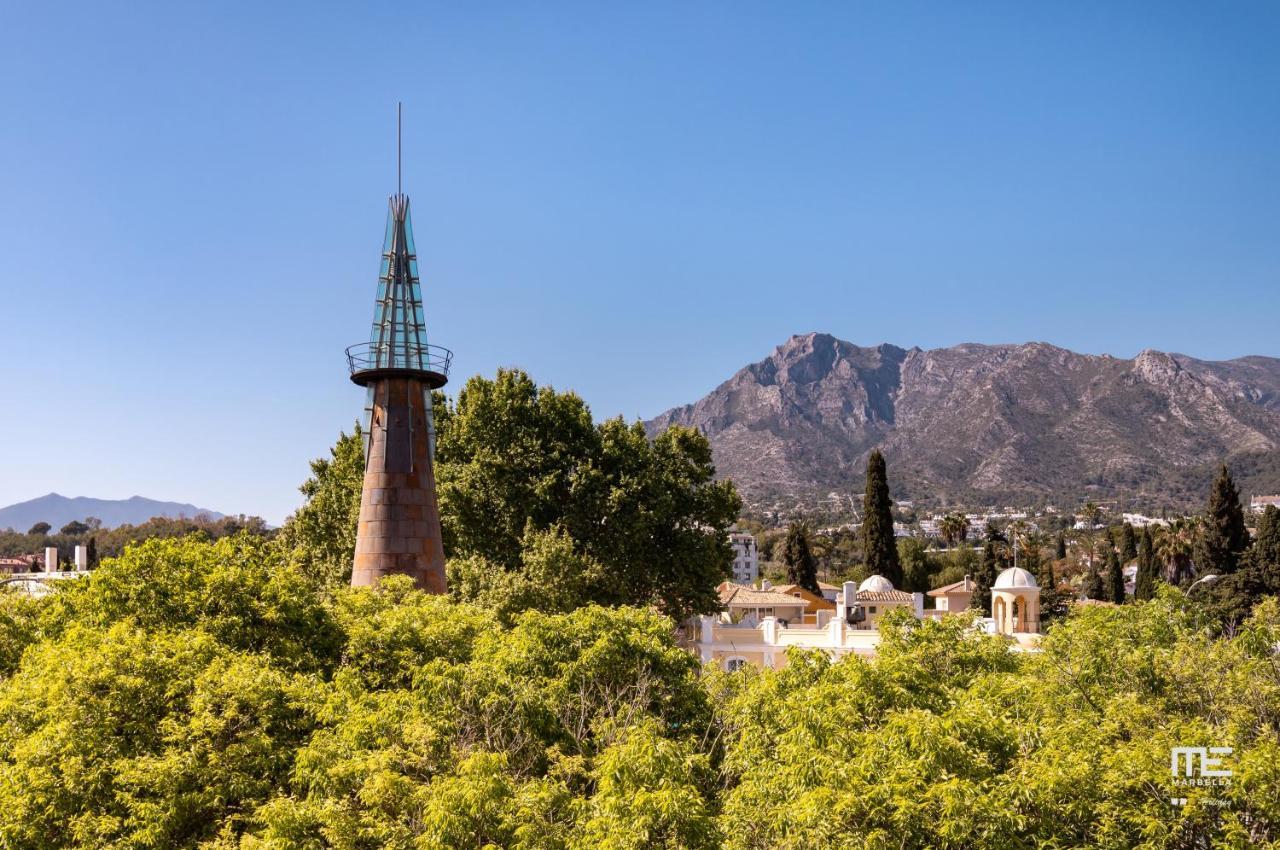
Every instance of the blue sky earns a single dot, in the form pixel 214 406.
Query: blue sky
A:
pixel 631 202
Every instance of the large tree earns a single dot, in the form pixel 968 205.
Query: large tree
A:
pixel 879 550
pixel 514 460
pixel 802 569
pixel 1224 536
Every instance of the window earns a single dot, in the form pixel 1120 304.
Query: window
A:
pixel 734 664
pixel 872 609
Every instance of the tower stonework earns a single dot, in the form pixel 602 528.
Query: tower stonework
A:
pixel 399 525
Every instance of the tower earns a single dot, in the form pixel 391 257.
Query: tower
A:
pixel 399 526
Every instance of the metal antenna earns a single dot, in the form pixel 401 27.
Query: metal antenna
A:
pixel 399 189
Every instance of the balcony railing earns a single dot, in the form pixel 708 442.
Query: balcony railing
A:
pixel 376 357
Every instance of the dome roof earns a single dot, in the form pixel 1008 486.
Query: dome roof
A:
pixel 876 584
pixel 1014 578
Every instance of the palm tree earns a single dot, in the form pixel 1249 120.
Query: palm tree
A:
pixel 954 528
pixel 1174 544
pixel 1091 514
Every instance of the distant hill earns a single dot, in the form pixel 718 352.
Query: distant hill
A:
pixel 988 424
pixel 59 510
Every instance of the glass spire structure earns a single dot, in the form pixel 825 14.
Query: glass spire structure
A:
pixel 398 531
pixel 398 338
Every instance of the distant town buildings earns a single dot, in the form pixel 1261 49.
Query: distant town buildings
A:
pixel 746 558
pixel 757 626
pixel 1258 504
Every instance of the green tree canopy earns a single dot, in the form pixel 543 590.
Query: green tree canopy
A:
pixel 646 519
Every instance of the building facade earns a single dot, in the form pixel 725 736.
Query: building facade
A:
pixel 745 632
pixel 746 558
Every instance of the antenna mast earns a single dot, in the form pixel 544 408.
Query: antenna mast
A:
pixel 399 189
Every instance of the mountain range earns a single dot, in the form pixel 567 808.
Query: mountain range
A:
pixel 59 510
pixel 988 424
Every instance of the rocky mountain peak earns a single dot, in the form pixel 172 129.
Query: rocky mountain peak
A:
pixel 981 422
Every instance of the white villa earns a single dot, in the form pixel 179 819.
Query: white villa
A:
pixel 757 626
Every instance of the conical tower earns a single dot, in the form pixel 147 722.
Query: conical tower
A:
pixel 399 530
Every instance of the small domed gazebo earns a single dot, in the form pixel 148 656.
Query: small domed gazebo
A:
pixel 1015 602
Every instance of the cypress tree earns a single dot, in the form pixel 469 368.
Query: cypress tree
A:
pixel 1060 551
pixel 1115 578
pixel 802 568
pixel 879 549
pixel 1144 584
pixel 1093 588
pixel 1266 547
pixel 1128 544
pixel 1225 538
pixel 92 553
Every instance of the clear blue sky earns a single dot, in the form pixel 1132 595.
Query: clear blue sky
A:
pixel 630 202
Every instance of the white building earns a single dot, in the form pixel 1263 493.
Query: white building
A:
pixel 758 626
pixel 746 558
pixel 1258 504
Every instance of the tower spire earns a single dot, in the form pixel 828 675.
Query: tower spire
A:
pixel 398 531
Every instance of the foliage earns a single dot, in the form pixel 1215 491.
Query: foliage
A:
pixel 918 568
pixel 993 562
pixel 1144 581
pixel 879 552
pixel 802 569
pixel 1128 543
pixel 1266 544
pixel 1115 578
pixel 954 528
pixel 206 694
pixel 110 542
pixel 1224 537
pixel 647 522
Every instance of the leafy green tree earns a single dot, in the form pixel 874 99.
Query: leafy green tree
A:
pixel 1224 538
pixel 649 794
pixel 879 551
pixel 321 535
pixel 553 577
pixel 510 453
pixel 1115 578
pixel 802 569
pixel 514 457
pixel 1144 581
pixel 40 529
pixel 917 568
